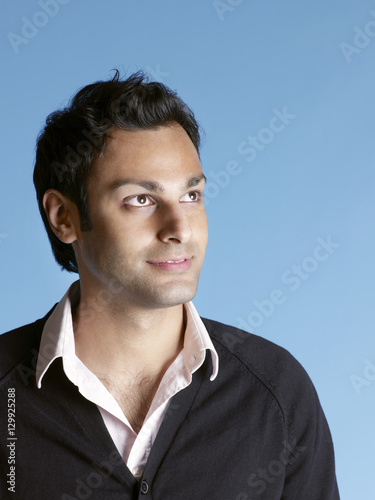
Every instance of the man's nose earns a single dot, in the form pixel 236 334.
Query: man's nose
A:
pixel 174 225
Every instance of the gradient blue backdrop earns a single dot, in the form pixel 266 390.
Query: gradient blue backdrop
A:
pixel 237 64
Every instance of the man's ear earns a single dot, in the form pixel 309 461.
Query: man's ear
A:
pixel 62 215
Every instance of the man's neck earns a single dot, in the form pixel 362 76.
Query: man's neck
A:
pixel 126 340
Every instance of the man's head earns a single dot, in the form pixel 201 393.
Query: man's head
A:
pixel 76 136
pixel 119 184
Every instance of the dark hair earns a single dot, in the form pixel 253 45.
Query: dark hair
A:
pixel 75 136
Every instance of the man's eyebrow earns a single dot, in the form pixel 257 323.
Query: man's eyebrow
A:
pixel 149 185
pixel 194 181
pixel 156 186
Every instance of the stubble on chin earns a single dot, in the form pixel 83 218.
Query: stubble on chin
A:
pixel 141 284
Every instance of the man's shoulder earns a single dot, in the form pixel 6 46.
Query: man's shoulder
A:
pixel 18 344
pixel 272 365
pixel 245 345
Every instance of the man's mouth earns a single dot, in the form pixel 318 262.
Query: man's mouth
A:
pixel 177 264
pixel 174 261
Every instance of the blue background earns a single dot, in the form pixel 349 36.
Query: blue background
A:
pixel 234 62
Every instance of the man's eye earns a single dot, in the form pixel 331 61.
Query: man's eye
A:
pixel 142 200
pixel 191 196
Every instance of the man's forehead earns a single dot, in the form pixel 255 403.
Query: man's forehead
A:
pixel 162 140
pixel 149 158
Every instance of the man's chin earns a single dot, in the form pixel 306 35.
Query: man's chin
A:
pixel 173 297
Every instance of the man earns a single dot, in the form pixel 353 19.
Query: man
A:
pixel 122 391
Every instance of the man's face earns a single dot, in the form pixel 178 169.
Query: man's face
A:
pixel 149 226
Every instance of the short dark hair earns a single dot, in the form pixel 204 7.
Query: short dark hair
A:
pixel 76 135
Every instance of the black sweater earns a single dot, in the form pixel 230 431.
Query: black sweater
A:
pixel 256 432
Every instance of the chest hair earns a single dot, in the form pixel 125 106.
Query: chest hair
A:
pixel 134 396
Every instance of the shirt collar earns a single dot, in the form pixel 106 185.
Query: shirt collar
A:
pixel 197 341
pixel 58 339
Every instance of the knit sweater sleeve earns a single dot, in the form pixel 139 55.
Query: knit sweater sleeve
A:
pixel 307 459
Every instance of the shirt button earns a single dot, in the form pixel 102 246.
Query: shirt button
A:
pixel 144 487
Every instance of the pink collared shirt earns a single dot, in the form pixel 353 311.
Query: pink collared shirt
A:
pixel 58 341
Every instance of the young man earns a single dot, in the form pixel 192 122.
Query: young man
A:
pixel 122 391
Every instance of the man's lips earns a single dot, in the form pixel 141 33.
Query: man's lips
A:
pixel 175 264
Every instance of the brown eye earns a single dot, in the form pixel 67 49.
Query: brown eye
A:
pixel 142 199
pixel 191 197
